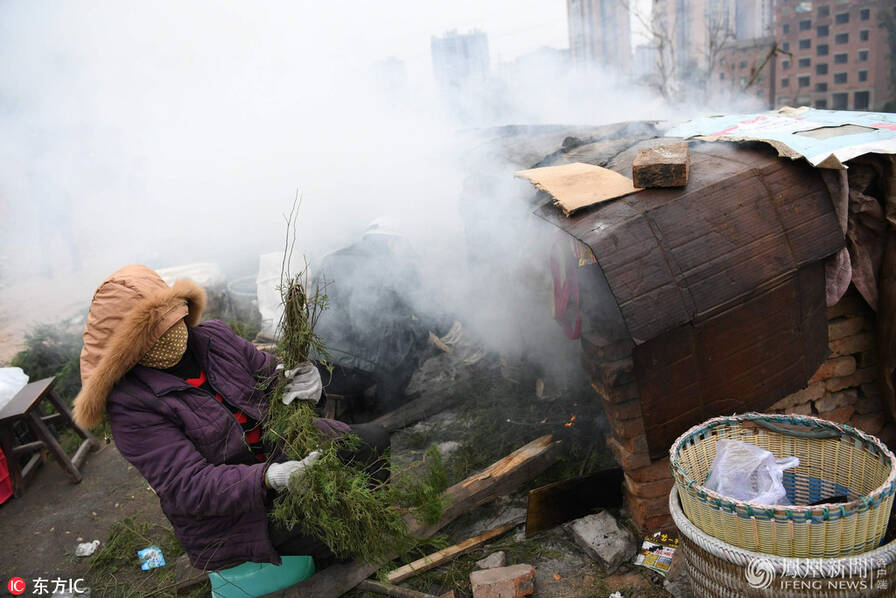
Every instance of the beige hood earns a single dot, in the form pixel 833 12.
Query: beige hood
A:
pixel 129 312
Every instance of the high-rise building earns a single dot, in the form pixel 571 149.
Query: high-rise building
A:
pixel 459 60
pixel 599 33
pixel 754 19
pixel 696 29
pixel 835 55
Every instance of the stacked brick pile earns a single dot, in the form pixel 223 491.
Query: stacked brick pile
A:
pixel 844 389
pixel 647 482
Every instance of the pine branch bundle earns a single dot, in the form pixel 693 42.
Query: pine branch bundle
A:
pixel 339 503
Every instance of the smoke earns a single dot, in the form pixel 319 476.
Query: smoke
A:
pixel 169 133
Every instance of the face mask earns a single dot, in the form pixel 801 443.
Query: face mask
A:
pixel 169 349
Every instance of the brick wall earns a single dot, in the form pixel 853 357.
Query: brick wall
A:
pixel 844 389
pixel 647 483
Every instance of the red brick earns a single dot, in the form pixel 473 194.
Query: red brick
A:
pixel 646 507
pixel 635 444
pixel 625 457
pixel 870 424
pixel 832 368
pixel 629 428
pixel 616 394
pixel 857 378
pixel 658 470
pixel 835 400
pixel 840 416
pixel 623 411
pixel 654 489
pixel 597 348
pixel 615 373
pixel 856 343
pixel 504 582
pixel 813 391
pixel 843 327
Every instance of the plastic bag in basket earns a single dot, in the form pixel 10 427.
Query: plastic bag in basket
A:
pixel 746 472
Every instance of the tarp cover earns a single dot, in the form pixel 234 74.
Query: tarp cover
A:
pixel 826 138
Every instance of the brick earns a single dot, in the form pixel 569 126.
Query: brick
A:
pixel 658 470
pixel 623 411
pixel 626 458
pixel 646 507
pixel 857 378
pixel 662 166
pixel 840 416
pixel 635 444
pixel 652 489
pixel 617 373
pixel 813 391
pixel 804 409
pixel 628 428
pixel 597 348
pixel 832 368
pixel 504 582
pixel 843 327
pixel 870 424
pixel 661 523
pixel 856 343
pixel 835 400
pixel 616 394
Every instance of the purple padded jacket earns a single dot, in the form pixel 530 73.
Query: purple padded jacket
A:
pixel 191 450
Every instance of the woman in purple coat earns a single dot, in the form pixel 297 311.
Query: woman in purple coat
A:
pixel 186 409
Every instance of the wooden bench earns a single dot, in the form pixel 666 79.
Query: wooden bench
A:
pixel 25 407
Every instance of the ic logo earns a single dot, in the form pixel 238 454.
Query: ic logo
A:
pixel 760 573
pixel 16 586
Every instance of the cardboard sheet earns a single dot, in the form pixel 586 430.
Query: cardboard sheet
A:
pixel 826 138
pixel 576 186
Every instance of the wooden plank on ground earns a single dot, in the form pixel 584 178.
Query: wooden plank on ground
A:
pixel 441 557
pixel 417 410
pixel 496 480
pixel 563 501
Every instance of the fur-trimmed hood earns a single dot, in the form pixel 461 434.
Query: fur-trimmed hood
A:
pixel 129 312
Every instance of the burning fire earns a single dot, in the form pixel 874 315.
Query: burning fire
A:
pixel 572 418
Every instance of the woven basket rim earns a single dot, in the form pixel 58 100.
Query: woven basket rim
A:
pixel 874 497
pixel 741 556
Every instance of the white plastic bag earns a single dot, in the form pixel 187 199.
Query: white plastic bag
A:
pixel 744 471
pixel 12 380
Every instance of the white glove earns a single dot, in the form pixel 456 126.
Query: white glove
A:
pixel 304 383
pixel 278 475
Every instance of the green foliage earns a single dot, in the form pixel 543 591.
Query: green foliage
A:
pixel 247 330
pixel 53 350
pixel 337 500
pixel 114 570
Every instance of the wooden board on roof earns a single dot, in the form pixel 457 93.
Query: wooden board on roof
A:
pixel 577 185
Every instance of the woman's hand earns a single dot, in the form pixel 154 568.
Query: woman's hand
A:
pixel 303 383
pixel 279 475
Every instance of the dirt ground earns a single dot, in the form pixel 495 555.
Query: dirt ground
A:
pixel 41 529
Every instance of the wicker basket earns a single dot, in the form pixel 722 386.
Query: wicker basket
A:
pixel 720 570
pixel 835 460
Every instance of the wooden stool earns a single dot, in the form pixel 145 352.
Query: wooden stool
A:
pixel 24 406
